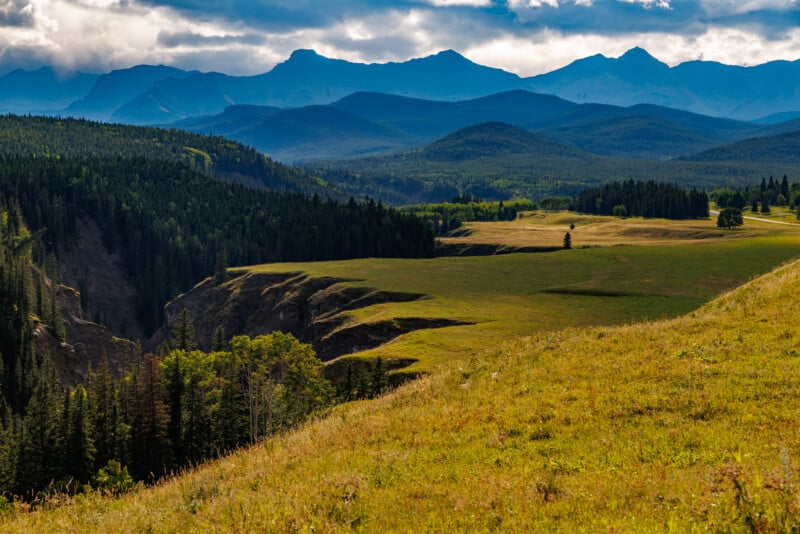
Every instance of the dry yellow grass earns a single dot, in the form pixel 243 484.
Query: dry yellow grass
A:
pixel 689 424
pixel 547 229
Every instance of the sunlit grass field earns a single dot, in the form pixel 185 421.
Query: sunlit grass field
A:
pixel 508 296
pixel 681 425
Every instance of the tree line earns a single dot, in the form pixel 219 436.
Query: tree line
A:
pixel 170 224
pixel 759 197
pixel 445 217
pixel 643 199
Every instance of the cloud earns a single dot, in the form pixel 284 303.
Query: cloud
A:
pixel 17 13
pixel 251 36
pixel 191 39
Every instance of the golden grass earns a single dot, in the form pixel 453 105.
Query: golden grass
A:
pixel 547 229
pixel 689 424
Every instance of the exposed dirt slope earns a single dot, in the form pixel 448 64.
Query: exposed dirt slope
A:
pixel 313 309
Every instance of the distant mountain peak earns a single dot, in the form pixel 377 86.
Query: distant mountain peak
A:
pixel 639 55
pixel 449 53
pixel 304 54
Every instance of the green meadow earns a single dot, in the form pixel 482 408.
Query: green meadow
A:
pixel 507 296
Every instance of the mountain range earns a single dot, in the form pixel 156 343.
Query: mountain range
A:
pixel 162 95
pixel 375 123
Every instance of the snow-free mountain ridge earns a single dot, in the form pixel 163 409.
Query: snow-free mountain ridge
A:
pixel 163 95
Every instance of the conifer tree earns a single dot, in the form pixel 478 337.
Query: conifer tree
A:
pixel 151 423
pixel 104 415
pixel 80 448
pixel 39 432
pixel 219 343
pixel 183 332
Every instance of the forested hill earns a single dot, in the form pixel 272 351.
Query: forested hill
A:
pixel 170 225
pixel 216 156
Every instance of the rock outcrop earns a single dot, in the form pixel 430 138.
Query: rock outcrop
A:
pixel 84 344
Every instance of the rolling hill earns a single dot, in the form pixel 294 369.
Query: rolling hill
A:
pixel 374 123
pixel 773 150
pixel 527 165
pixel 311 132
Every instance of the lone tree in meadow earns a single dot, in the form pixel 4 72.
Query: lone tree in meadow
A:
pixel 567 241
pixel 730 218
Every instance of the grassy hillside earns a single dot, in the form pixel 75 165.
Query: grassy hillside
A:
pixel 676 425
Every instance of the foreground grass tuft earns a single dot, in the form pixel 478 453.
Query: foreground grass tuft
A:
pixel 679 425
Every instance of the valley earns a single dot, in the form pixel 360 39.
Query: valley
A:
pixel 426 295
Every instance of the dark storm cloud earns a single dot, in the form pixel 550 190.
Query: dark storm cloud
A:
pixel 189 39
pixel 598 17
pixel 16 13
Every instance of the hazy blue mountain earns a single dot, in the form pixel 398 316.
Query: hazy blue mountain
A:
pixel 44 90
pixel 778 150
pixel 171 98
pixel 369 123
pixel 634 78
pixel 704 87
pixel 777 118
pixel 234 119
pixel 644 131
pixel 743 92
pixel 301 134
pixel 307 78
pixel 114 89
pixel 145 94
pixel 428 119
pixel 492 140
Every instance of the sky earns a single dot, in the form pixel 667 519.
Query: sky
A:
pixel 526 37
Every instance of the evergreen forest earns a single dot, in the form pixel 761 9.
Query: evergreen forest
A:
pixel 643 199
pixel 170 224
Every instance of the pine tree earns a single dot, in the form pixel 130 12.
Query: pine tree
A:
pixel 219 343
pixel 175 388
pixel 39 432
pixel 104 413
pixel 80 448
pixel 151 423
pixel 183 332
pixel 567 241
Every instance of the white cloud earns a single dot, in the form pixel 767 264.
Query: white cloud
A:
pixel 647 4
pixel 548 50
pixel 523 4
